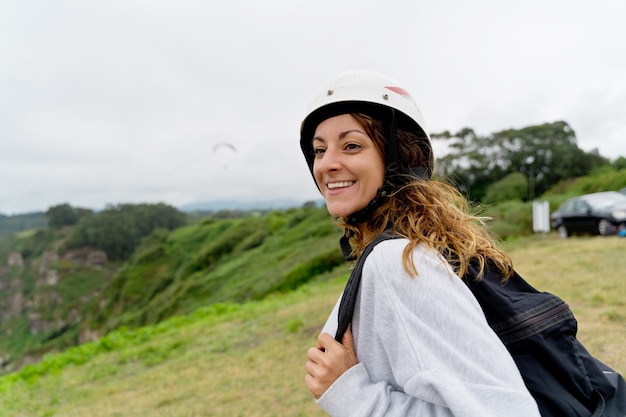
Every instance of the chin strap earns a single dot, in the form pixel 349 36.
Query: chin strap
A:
pixel 344 242
pixel 360 217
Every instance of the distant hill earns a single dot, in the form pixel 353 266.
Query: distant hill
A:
pixel 243 205
pixel 20 222
pixel 36 220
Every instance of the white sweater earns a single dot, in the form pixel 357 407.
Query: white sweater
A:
pixel 424 347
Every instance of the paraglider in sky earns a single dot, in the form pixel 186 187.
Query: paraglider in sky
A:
pixel 221 148
pixel 224 145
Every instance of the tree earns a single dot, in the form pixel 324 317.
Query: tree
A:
pixel 619 163
pixel 545 154
pixel 309 205
pixel 65 215
pixel 118 229
pixel 465 164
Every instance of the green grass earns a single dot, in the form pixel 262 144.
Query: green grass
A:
pixel 225 360
pixel 247 359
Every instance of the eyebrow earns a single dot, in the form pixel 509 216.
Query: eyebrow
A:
pixel 342 135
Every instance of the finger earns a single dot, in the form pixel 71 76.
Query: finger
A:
pixel 325 341
pixel 312 385
pixel 314 355
pixel 309 367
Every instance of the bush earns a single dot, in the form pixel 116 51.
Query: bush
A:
pixel 308 270
pixel 512 187
pixel 511 218
pixel 602 179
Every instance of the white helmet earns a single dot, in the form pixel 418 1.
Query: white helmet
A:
pixel 374 94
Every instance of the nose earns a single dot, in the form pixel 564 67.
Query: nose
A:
pixel 330 161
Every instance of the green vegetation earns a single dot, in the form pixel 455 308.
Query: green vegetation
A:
pixel 30 244
pixel 601 179
pixel 169 273
pixel 53 288
pixel 545 154
pixel 118 230
pixel 218 261
pixel 42 306
pixel 65 215
pixel 212 313
pixel 174 272
pixel 513 187
pixel 232 359
pixel 20 222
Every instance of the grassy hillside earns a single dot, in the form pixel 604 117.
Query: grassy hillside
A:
pixel 247 359
pixel 230 260
pixel 57 299
pixel 53 300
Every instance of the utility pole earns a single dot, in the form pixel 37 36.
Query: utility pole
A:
pixel 531 177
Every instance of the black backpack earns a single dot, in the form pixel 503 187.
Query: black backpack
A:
pixel 539 330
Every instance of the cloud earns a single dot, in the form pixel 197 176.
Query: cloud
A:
pixel 122 101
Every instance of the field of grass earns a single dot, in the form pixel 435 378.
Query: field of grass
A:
pixel 247 359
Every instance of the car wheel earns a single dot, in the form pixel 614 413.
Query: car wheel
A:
pixel 605 227
pixel 562 231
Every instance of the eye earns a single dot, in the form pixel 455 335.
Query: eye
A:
pixel 351 146
pixel 318 152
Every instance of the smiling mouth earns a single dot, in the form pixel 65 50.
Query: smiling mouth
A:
pixel 342 184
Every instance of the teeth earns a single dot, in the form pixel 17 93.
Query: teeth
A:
pixel 340 184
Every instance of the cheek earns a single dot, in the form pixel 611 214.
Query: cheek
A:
pixel 317 176
pixel 378 170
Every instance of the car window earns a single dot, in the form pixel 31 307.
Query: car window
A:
pixel 568 207
pixel 580 206
pixel 608 201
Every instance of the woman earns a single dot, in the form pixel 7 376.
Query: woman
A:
pixel 419 344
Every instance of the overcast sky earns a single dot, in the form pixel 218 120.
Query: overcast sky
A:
pixel 124 101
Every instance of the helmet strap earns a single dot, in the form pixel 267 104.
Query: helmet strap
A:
pixel 393 148
pixel 346 249
pixel 361 217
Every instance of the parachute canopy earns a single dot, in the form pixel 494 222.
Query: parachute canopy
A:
pixel 225 145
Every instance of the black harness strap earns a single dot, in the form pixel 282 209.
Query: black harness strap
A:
pixel 348 299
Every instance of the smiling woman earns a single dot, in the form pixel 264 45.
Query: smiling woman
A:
pixel 404 353
pixel 434 319
pixel 348 167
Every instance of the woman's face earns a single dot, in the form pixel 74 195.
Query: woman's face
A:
pixel 348 167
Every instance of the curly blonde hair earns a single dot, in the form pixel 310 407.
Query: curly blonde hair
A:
pixel 429 212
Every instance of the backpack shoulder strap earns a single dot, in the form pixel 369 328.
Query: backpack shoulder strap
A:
pixel 348 299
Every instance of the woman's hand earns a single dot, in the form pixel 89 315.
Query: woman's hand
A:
pixel 328 361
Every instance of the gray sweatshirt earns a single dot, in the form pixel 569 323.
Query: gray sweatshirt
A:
pixel 424 347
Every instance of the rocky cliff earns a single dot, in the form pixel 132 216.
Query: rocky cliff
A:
pixel 43 302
